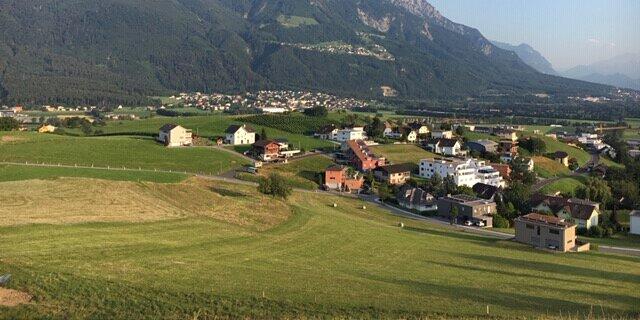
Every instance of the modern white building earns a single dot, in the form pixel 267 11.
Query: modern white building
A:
pixel 239 135
pixel 173 135
pixel 442 134
pixel 464 172
pixel 634 222
pixel 355 133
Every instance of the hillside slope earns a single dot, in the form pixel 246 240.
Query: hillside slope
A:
pixel 124 51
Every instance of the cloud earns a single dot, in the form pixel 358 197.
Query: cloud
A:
pixel 613 44
pixel 593 40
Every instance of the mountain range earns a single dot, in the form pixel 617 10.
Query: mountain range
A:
pixel 620 71
pixel 529 56
pixel 94 51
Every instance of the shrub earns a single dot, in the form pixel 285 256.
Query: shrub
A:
pixel 596 232
pixel 500 222
pixel 582 231
pixel 276 186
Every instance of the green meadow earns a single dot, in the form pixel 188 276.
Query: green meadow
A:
pixel 301 258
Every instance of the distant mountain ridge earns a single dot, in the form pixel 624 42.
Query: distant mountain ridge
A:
pixel 95 51
pixel 621 71
pixel 529 56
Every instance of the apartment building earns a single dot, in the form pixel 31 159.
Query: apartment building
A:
pixel 464 172
pixel 542 231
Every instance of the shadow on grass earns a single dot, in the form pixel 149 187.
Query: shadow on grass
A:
pixel 555 268
pixel 228 193
pixel 454 234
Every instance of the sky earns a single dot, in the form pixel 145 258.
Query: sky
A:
pixel 567 32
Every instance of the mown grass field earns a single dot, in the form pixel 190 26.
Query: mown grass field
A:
pixel 547 168
pixel 129 152
pixel 567 186
pixel 219 250
pixel 403 153
pixel 207 126
pixel 303 174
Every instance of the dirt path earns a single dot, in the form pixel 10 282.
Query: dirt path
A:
pixel 13 298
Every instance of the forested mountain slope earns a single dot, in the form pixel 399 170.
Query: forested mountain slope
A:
pixel 96 51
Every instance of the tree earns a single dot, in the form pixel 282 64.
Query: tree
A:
pixel 595 189
pixel 9 124
pixel 317 111
pixel 518 194
pixel 376 128
pixel 263 134
pixel 453 214
pixel 500 222
pixel 385 191
pixel 276 186
pixel 534 145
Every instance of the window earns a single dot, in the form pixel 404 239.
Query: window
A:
pixel 554 231
pixel 529 226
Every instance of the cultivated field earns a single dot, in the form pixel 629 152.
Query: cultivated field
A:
pixel 115 152
pixel 22 172
pixel 212 250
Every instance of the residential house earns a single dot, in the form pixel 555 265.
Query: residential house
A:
pixel 329 132
pixel 584 213
pixel 506 134
pixel 508 146
pixel 447 147
pixel 355 133
pixel 485 130
pixel 485 191
pixel 362 157
pixel 338 178
pixel 266 150
pixel 442 134
pixel 173 135
pixel 419 128
pixel 470 208
pixel 483 146
pixel 47 129
pixel 562 157
pixel 396 174
pixel 634 222
pixel 240 134
pixel 464 172
pixel 504 169
pixel 284 143
pixel 542 231
pixel 416 199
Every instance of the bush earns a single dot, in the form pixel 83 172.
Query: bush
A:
pixel 500 222
pixel 276 186
pixel 582 231
pixel 596 232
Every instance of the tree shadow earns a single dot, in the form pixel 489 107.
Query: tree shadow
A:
pixel 228 193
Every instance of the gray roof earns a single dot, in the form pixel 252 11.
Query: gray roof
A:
pixel 234 128
pixel 168 127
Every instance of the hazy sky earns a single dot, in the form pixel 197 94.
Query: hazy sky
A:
pixel 566 32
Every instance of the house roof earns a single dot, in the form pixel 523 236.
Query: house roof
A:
pixel 485 143
pixel 360 150
pixel 578 208
pixel 416 125
pixel 234 128
pixel 560 155
pixel 537 217
pixel 415 196
pixel 397 168
pixel 485 191
pixel 168 127
pixel 263 143
pixel 635 213
pixel 448 143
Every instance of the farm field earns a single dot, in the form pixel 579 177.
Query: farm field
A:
pixel 305 173
pixel 403 153
pixel 293 259
pixel 129 152
pixel 207 126
pixel 21 172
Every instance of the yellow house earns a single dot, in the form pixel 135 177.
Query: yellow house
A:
pixel 47 129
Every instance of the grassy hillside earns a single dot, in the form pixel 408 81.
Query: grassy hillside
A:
pixel 207 126
pixel 565 186
pixel 129 152
pixel 303 173
pixel 321 262
pixel 547 168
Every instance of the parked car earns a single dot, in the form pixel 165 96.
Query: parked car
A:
pixel 468 223
pixel 480 224
pixel 552 247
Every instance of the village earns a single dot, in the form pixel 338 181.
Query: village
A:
pixel 476 183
